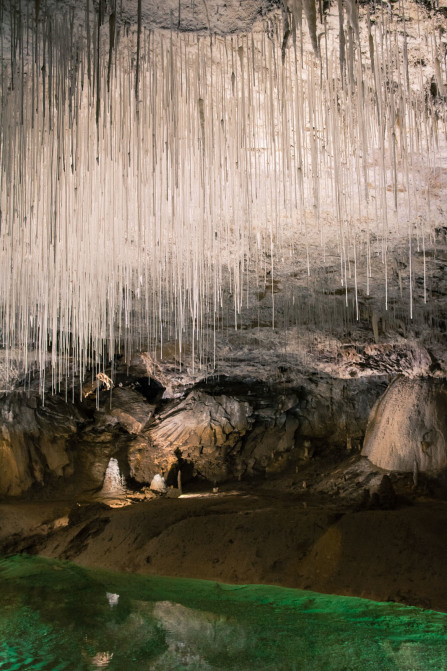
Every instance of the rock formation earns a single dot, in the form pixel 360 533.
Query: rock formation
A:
pixel 407 428
pixel 218 429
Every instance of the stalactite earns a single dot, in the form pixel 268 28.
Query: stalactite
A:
pixel 310 11
pixel 137 66
pixel 112 29
pixel 155 184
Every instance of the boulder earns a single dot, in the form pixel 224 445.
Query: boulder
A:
pixel 407 428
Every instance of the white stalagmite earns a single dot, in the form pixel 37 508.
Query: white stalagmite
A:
pixel 133 207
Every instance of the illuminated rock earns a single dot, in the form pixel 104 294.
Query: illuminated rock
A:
pixel 408 426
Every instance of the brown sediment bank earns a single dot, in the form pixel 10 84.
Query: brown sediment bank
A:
pixel 286 532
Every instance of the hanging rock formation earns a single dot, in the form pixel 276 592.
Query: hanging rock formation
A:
pixel 312 199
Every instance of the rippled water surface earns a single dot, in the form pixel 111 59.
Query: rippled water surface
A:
pixel 56 615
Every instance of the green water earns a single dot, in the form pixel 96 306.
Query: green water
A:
pixel 56 615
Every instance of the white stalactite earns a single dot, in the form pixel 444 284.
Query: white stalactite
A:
pixel 128 220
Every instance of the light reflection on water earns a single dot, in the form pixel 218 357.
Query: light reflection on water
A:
pixel 113 599
pixel 102 660
pixel 57 616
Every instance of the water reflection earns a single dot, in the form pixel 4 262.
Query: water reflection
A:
pixel 102 660
pixel 193 637
pixel 113 599
pixel 57 616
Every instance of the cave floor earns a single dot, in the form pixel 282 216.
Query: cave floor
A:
pixel 315 530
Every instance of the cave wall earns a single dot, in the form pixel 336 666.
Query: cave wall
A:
pixel 219 429
pixel 35 442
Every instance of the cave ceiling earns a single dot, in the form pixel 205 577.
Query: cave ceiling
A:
pixel 242 186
